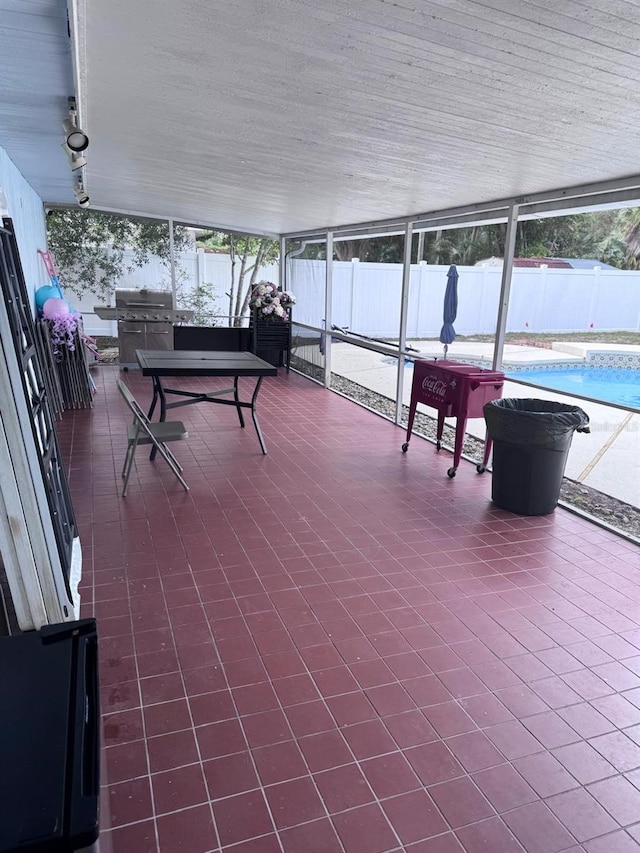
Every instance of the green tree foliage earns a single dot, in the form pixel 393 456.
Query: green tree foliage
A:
pixel 248 254
pixel 464 246
pixel 89 247
pixel 610 236
pixel 374 250
pixel 379 250
pixel 630 219
pixel 201 300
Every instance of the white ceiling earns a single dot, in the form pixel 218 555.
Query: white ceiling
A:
pixel 297 114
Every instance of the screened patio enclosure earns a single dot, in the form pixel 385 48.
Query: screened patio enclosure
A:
pixel 306 122
pixel 301 121
pixel 326 647
pixel 383 316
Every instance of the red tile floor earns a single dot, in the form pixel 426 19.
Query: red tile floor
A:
pixel 337 648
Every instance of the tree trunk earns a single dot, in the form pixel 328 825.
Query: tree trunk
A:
pixel 255 270
pixel 437 245
pixel 345 250
pixel 237 320
pixel 232 257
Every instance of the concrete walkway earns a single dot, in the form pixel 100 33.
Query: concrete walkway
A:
pixel 607 459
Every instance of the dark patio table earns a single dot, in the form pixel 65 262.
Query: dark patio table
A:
pixel 159 364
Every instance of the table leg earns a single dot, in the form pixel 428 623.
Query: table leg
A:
pixel 152 407
pixel 255 416
pixel 236 397
pixel 158 394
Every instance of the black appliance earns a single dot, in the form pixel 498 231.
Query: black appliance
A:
pixel 49 739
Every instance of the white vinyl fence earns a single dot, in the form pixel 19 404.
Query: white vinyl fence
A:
pixel 366 297
pixel 194 269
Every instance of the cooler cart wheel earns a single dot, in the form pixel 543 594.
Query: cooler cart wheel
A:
pixel 451 472
pixel 480 468
pixel 438 444
pixel 405 447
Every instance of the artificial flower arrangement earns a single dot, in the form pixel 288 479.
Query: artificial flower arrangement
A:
pixel 270 303
pixel 64 321
pixel 63 331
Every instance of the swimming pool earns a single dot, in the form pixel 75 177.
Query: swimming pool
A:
pixel 607 384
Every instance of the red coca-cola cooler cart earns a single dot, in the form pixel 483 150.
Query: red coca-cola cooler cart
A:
pixel 458 391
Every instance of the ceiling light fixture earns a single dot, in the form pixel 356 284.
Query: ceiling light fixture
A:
pixel 76 161
pixel 81 196
pixel 75 137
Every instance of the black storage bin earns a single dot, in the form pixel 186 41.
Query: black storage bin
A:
pixel 531 441
pixel 49 748
pixel 271 340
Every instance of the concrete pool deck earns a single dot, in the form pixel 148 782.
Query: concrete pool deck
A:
pixel 584 349
pixel 607 459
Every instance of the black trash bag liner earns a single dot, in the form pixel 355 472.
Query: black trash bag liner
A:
pixel 540 423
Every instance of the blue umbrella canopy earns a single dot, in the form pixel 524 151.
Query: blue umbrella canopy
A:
pixel 450 309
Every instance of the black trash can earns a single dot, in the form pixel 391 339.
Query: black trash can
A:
pixel 531 441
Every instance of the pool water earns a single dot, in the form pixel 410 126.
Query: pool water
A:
pixel 606 384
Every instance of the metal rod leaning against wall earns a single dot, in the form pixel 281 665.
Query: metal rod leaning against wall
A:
pixel 505 287
pixel 404 307
pixel 172 266
pixel 282 269
pixel 328 297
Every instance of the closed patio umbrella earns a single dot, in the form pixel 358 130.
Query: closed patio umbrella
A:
pixel 450 309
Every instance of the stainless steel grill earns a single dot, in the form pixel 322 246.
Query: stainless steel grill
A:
pixel 145 321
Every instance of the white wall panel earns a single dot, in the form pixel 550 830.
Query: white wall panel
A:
pixel 27 212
